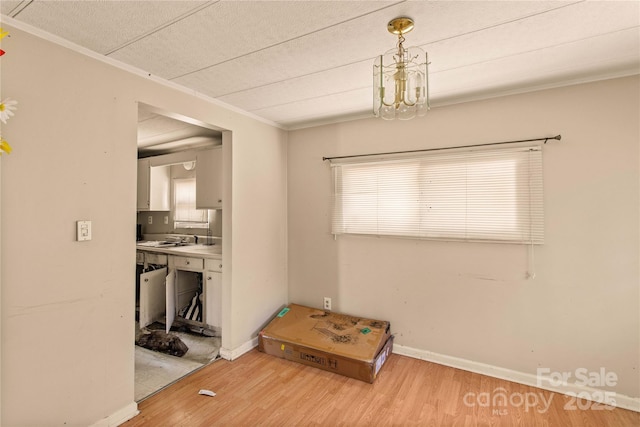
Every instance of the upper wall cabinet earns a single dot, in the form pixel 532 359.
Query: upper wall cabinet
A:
pixel 153 186
pixel 209 179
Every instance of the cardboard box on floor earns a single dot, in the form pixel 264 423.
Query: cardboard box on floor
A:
pixel 347 345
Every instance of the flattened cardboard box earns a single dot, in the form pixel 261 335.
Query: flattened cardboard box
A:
pixel 347 345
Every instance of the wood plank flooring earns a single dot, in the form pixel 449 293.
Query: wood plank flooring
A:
pixel 259 389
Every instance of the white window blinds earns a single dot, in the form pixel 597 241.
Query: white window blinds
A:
pixel 185 212
pixel 482 195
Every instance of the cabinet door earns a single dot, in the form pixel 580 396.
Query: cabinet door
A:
pixel 213 298
pixel 153 187
pixel 159 188
pixel 152 296
pixel 209 179
pixel 143 185
pixel 171 299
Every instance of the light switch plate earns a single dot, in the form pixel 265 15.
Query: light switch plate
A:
pixel 83 230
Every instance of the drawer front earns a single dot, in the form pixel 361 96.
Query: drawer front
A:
pixel 213 264
pixel 188 262
pixel 158 259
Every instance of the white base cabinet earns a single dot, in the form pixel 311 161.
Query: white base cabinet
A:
pixel 152 296
pixel 165 291
pixel 213 293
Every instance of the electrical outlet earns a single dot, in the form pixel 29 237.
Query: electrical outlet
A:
pixel 149 219
pixel 166 219
pixel 327 303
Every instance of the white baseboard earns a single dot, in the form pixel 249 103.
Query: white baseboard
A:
pixel 569 389
pixel 228 354
pixel 119 417
pixel 131 410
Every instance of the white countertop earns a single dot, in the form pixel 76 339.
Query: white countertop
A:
pixel 200 251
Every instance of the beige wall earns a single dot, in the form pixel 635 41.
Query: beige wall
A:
pixel 68 307
pixel 472 300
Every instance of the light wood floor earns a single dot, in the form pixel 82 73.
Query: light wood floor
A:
pixel 259 389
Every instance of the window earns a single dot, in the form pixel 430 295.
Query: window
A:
pixel 185 214
pixel 483 195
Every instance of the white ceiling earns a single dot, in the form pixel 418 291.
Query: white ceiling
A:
pixel 299 63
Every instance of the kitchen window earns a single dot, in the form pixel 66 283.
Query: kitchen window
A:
pixel 185 214
pixel 492 195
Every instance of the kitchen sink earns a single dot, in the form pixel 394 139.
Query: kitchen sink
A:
pixel 162 244
pixel 177 248
pixel 198 247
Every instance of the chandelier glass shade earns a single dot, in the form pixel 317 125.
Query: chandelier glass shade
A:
pixel 400 78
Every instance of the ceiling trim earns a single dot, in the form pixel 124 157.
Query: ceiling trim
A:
pixel 128 68
pixel 356 115
pixel 480 96
pixel 452 100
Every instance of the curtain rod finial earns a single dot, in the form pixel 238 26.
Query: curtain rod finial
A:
pixel 557 138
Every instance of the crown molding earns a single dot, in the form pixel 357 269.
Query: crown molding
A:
pixel 37 32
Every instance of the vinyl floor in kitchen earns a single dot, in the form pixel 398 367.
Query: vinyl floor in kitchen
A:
pixel 155 371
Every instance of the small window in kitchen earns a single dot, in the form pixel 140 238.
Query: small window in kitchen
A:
pixel 185 214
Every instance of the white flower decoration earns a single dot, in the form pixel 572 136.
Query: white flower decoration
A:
pixel 7 107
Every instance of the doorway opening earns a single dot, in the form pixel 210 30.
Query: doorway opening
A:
pixel 178 320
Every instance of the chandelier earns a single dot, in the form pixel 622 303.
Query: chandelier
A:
pixel 400 78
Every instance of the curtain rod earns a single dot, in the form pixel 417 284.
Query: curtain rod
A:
pixel 557 137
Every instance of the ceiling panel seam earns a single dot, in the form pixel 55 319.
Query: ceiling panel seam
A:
pixel 163 26
pixel 300 76
pixel 20 7
pixel 311 98
pixel 439 71
pixel 527 52
pixel 370 58
pixel 500 24
pixel 287 41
